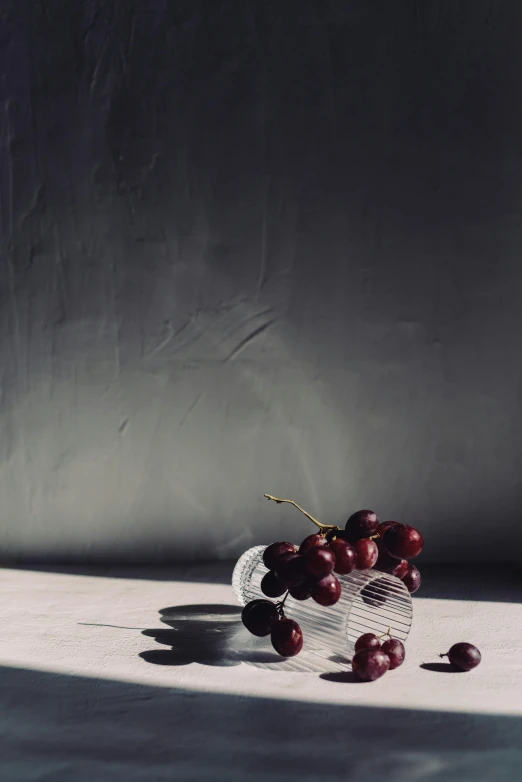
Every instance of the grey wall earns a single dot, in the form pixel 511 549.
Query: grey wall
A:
pixel 257 247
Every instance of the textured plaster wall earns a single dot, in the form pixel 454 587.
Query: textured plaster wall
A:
pixel 258 246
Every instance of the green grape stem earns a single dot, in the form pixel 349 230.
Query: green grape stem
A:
pixel 322 527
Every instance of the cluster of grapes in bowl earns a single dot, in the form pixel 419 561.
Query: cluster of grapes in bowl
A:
pixel 302 572
pixel 308 571
pixel 396 544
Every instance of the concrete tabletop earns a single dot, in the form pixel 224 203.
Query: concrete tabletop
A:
pixel 149 675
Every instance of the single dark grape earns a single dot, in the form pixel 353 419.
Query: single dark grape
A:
pixel 271 586
pixel 327 590
pixel 367 641
pixel 345 556
pixel 384 526
pixel 291 570
pixel 367 553
pixel 389 564
pixel 273 552
pixel 412 579
pixel 311 541
pixel 403 541
pixel 303 591
pixel 395 651
pixel 372 594
pixel 287 638
pixel 361 525
pixel 372 601
pixel 463 656
pixel 248 606
pixel 258 616
pixel 319 561
pixel 370 664
pixel 402 568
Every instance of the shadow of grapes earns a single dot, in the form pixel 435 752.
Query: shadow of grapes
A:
pixel 210 634
pixel 440 667
pixel 341 677
pixel 197 634
pixel 213 634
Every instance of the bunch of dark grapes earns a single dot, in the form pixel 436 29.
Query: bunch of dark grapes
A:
pixel 386 546
pixel 309 571
pixel 397 543
pixel 372 658
pixel 262 617
pixel 302 572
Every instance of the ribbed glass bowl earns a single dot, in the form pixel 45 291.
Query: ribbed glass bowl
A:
pixel 371 602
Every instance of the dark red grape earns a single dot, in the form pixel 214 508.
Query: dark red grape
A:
pixel 370 664
pixel 367 553
pixel 412 579
pixel 345 556
pixel 303 591
pixel 291 570
pixel 463 656
pixel 287 638
pixel 384 526
pixel 319 561
pixel 367 641
pixel 372 601
pixel 273 552
pixel 327 590
pixel 389 564
pixel 403 541
pixel 402 568
pixel 311 541
pixel 248 606
pixel 271 586
pixel 258 616
pixel 395 651
pixel 372 594
pixel 361 525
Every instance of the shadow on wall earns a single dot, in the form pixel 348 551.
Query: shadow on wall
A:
pixel 201 572
pixel 250 250
pixel 75 729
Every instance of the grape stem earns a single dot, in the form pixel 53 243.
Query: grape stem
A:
pixel 387 633
pixel 281 605
pixel 443 655
pixel 291 502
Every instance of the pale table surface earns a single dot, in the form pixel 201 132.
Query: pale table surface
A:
pixel 149 675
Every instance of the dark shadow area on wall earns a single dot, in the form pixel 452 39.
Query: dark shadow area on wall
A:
pixel 76 729
pixel 248 241
pixel 495 583
pixel 202 572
